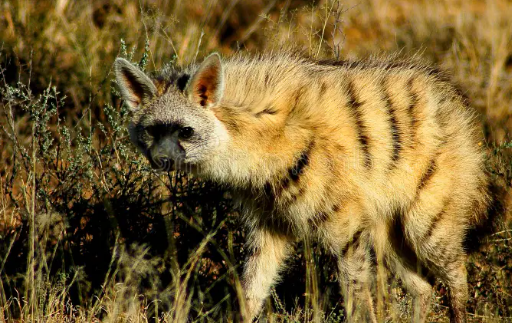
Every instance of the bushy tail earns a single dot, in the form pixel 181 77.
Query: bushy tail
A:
pixel 491 220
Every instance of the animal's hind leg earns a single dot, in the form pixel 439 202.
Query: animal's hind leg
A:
pixel 454 275
pixel 415 284
pixel 355 274
pixel 442 252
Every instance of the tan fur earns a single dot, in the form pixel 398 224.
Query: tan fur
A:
pixel 377 160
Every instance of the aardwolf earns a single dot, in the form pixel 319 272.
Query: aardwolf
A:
pixel 379 161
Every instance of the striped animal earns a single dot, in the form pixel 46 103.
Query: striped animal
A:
pixel 379 161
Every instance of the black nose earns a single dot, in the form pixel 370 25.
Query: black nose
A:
pixel 162 162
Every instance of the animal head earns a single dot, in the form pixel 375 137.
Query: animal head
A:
pixel 172 123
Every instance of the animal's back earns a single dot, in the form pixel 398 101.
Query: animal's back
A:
pixel 396 137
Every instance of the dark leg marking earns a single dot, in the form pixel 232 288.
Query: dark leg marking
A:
pixel 354 242
pixel 355 104
pixel 324 216
pixel 318 219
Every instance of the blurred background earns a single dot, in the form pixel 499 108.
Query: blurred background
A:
pixel 88 232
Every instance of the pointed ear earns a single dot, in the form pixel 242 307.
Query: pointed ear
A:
pixel 136 87
pixel 206 86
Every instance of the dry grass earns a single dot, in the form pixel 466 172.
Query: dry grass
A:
pixel 89 233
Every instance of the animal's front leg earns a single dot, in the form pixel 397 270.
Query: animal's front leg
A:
pixel 269 251
pixel 355 273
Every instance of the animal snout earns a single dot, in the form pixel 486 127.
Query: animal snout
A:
pixel 165 153
pixel 162 162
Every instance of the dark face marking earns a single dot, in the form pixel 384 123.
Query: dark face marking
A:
pixel 158 130
pixel 182 81
pixel 395 130
pixel 355 104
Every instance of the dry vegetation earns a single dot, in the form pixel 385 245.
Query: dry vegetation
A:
pixel 89 233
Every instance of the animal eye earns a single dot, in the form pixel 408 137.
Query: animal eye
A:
pixel 186 132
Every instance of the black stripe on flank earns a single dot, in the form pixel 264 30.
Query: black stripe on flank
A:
pixel 301 163
pixel 293 174
pixel 427 176
pixel 435 220
pixel 355 105
pixel 395 131
pixel 414 123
